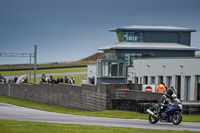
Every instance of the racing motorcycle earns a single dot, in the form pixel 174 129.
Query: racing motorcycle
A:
pixel 170 113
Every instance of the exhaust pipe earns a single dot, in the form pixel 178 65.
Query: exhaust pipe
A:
pixel 151 113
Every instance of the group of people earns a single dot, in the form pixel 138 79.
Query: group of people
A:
pixel 4 80
pixel 58 80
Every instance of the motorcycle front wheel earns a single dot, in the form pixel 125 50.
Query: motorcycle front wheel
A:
pixel 176 118
pixel 153 119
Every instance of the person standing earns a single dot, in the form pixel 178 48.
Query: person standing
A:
pixel 66 80
pixel 93 80
pixel 71 80
pixel 161 88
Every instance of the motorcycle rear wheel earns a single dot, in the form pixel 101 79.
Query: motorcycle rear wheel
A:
pixel 176 118
pixel 153 119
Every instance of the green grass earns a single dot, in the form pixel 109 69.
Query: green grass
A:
pixel 61 70
pixel 11 126
pixel 106 113
pixel 197 56
pixel 53 64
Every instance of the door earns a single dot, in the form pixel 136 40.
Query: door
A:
pixel 198 91
pixel 178 86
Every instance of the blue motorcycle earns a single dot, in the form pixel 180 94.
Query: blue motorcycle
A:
pixel 170 113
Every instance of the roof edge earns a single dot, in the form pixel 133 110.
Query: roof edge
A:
pixel 152 28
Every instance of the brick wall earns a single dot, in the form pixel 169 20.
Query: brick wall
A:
pixel 86 96
pixel 144 95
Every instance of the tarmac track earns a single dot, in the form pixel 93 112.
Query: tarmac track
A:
pixel 11 112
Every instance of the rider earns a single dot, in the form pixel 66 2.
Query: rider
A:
pixel 174 90
pixel 166 98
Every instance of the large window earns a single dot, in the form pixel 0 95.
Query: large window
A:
pixel 105 67
pixel 121 69
pixel 133 36
pixel 108 68
pixel 130 36
pixel 113 68
pixel 129 57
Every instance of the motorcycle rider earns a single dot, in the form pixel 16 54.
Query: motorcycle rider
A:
pixel 166 98
pixel 174 91
pixel 169 110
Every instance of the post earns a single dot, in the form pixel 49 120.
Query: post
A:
pixel 9 90
pixel 30 70
pixel 35 63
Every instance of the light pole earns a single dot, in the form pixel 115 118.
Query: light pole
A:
pixel 35 63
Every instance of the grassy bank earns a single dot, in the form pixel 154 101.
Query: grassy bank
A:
pixel 62 70
pixel 54 64
pixel 11 126
pixel 88 60
pixel 106 113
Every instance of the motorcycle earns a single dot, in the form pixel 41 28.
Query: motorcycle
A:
pixel 170 113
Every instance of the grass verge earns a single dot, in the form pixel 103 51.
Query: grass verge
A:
pixel 53 64
pixel 61 70
pixel 106 113
pixel 11 126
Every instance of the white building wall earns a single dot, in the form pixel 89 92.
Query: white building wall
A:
pixel 91 71
pixel 170 67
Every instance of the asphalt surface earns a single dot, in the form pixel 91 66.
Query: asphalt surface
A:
pixel 11 112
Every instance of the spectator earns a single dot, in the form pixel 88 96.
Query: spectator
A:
pixel 4 80
pixel 26 80
pixel 9 81
pixel 52 80
pixel 1 78
pixel 92 80
pixel 15 79
pixel 44 79
pixel 66 80
pixel 71 80
pixel 43 75
pixel 60 80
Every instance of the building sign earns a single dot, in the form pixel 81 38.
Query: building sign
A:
pixel 148 88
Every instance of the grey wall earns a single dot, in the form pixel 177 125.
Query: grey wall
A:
pixel 86 97
pixel 185 38
pixel 144 95
pixel 175 37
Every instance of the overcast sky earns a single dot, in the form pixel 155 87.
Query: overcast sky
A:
pixel 69 30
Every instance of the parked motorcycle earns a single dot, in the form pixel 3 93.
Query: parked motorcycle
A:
pixel 170 113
